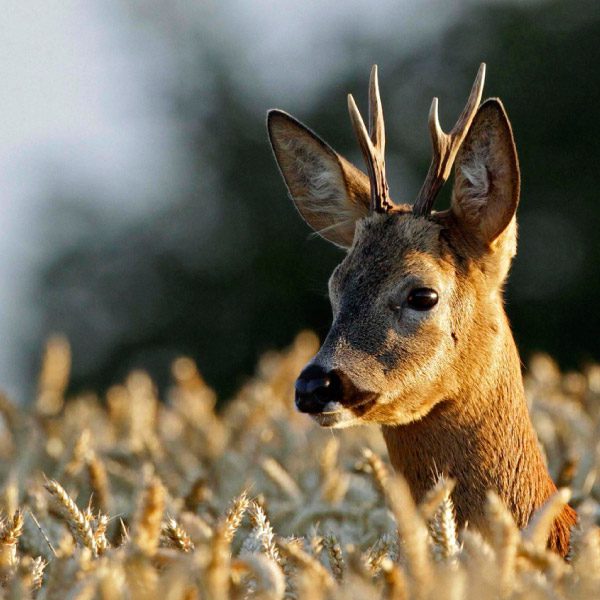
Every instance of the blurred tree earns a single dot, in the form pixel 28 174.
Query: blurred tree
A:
pixel 229 270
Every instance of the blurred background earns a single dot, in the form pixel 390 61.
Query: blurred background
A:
pixel 142 212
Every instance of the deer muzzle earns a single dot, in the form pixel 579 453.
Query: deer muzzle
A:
pixel 330 397
pixel 318 390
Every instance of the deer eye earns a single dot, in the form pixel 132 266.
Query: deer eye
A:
pixel 422 299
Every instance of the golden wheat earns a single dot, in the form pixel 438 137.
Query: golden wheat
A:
pixel 321 514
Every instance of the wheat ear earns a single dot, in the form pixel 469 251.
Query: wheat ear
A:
pixel 335 555
pixel 307 562
pixel 413 535
pixel 80 526
pixel 235 514
pixel 538 529
pixel 177 536
pixel 147 525
pixel 505 539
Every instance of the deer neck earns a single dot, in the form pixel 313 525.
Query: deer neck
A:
pixel 481 435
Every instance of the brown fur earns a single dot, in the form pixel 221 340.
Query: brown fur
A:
pixel 444 384
pixel 481 435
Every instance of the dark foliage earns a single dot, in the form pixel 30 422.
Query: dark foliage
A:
pixel 230 270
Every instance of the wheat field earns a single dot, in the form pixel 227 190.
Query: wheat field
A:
pixel 128 496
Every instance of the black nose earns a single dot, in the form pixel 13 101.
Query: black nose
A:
pixel 315 387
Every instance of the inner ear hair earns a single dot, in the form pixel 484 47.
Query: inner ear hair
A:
pixel 486 177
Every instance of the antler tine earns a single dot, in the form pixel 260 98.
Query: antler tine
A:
pixel 372 144
pixel 446 145
pixel 376 127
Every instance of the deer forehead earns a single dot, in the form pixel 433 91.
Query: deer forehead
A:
pixel 387 249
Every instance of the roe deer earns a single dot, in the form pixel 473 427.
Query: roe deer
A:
pixel 420 342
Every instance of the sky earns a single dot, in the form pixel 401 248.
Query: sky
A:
pixel 75 115
pixel 83 108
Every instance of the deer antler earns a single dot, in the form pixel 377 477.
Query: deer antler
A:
pixel 445 146
pixel 372 145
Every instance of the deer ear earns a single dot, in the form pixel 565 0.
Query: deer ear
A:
pixel 330 193
pixel 486 176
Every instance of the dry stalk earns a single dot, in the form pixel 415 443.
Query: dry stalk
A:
pixel 197 559
pixel 31 574
pixel 307 562
pixel 539 527
pixel 334 482
pixel 505 537
pixel 235 514
pixel 218 569
pixel 479 560
pixel 268 582
pixel 436 496
pixel 79 454
pixel 413 535
pixel 11 531
pixel 289 570
pixel 141 577
pixel 54 376
pixel 177 537
pixel 10 495
pixel 282 479
pixel 196 527
pixel 98 478
pixel 545 561
pixel 395 580
pixel 80 526
pixel 102 542
pixel 586 563
pixel 9 412
pixel 335 555
pixel 35 540
pixel 384 547
pixel 378 470
pixel 315 540
pixel 198 494
pixel 263 532
pixel 111 580
pixel 37 573
pixel 147 525
pixel 443 531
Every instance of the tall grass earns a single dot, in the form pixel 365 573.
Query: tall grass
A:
pixel 130 497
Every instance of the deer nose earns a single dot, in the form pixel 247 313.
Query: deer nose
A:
pixel 315 387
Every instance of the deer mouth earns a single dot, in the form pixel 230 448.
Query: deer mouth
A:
pixel 336 414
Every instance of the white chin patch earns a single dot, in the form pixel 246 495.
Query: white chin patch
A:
pixel 336 419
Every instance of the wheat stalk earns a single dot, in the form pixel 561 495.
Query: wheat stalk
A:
pixel 396 581
pixel 442 527
pixel 268 580
pixel 307 562
pixel 99 483
pixel 540 525
pixel 384 547
pixel 385 553
pixel 80 526
pixel 505 536
pixel 147 524
pixel 336 557
pixel 278 475
pixel 235 514
pixel 177 536
pixel 413 535
pixel 377 469
pixel 219 565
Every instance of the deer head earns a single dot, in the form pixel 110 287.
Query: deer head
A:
pixel 409 296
